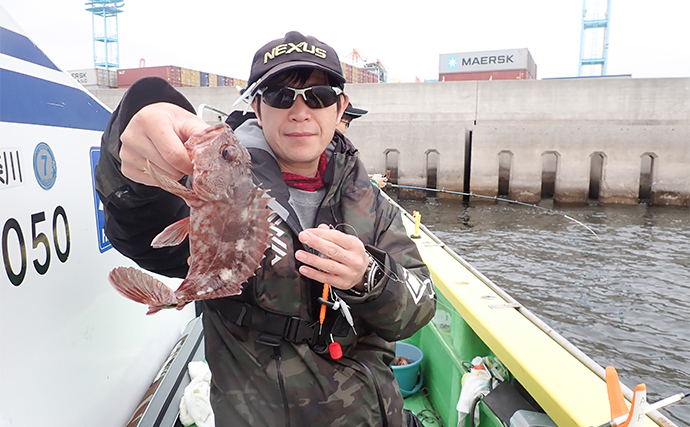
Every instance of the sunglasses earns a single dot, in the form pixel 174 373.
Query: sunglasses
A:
pixel 283 97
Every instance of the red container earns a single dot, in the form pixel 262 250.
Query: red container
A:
pixel 125 77
pixel 487 75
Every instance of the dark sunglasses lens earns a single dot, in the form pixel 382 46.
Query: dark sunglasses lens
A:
pixel 321 97
pixel 278 97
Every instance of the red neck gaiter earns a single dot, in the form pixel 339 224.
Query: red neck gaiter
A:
pixel 305 183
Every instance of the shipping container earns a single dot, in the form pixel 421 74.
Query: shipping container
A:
pixel 203 79
pixel 487 75
pixel 240 83
pixel 369 77
pixel 220 80
pixel 94 77
pixel 347 72
pixel 112 78
pixel 212 80
pixel 196 78
pixel 493 60
pixel 186 77
pixel 191 78
pixel 229 81
pixel 172 74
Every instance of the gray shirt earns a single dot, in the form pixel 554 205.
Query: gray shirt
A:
pixel 305 204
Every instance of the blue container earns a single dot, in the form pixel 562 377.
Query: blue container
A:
pixel 409 376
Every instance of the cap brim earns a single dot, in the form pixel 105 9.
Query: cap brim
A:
pixel 297 64
pixel 355 112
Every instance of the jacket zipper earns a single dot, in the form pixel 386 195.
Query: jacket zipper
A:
pixel 281 383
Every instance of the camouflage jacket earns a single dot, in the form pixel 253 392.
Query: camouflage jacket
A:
pixel 260 378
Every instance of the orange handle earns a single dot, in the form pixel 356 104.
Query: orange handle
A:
pixel 322 314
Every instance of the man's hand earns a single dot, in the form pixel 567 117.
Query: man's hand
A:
pixel 343 259
pixel 156 134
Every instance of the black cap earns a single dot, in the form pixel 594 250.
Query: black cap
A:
pixel 354 112
pixel 294 51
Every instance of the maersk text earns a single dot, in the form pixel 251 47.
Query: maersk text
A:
pixel 485 60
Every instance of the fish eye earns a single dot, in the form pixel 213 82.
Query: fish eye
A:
pixel 225 152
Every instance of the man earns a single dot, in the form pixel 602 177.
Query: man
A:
pixel 350 114
pixel 272 362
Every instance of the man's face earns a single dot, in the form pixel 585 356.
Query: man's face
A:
pixel 344 123
pixel 299 134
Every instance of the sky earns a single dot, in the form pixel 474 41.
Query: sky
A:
pixel 646 39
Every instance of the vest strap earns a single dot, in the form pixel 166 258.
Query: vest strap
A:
pixel 273 327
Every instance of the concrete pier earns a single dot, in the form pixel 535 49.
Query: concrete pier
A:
pixel 617 140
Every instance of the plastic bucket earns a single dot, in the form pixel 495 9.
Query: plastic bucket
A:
pixel 408 376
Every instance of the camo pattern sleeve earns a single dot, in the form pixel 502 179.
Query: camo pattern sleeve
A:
pixel 136 213
pixel 403 300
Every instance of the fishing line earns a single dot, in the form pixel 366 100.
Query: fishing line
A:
pixel 500 199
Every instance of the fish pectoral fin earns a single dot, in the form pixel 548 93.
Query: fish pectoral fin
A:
pixel 142 288
pixel 171 186
pixel 173 235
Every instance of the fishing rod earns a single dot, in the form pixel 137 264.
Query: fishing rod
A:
pixel 653 407
pixel 500 199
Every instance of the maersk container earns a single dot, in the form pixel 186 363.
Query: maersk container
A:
pixel 93 77
pixel 487 75
pixel 493 60
pixel 172 74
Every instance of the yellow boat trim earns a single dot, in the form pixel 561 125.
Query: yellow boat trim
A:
pixel 569 392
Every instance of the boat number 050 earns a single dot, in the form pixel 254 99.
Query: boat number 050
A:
pixel 41 244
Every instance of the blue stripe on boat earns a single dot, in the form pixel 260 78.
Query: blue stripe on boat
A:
pixel 30 100
pixel 20 47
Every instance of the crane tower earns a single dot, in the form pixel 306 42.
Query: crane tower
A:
pixel 594 40
pixel 106 50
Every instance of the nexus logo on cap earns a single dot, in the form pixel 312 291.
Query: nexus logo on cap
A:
pixel 287 48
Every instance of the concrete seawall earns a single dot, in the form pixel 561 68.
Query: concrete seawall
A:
pixel 617 140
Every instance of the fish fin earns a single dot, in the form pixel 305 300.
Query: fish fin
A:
pixel 261 199
pixel 613 387
pixel 173 235
pixel 143 288
pixel 204 194
pixel 171 186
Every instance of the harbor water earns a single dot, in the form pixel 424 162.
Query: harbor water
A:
pixel 624 299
